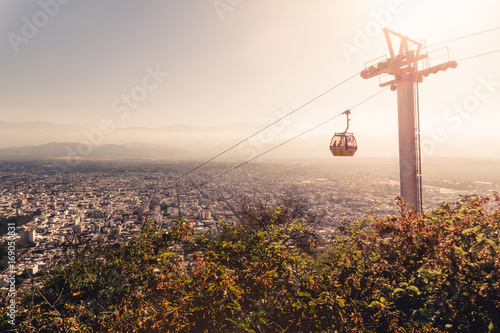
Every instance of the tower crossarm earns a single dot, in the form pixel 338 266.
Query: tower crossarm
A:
pixel 403 63
pixel 434 69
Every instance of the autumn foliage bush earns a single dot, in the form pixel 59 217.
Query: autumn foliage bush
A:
pixel 432 272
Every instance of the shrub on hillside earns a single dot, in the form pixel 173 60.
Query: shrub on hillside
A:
pixel 433 272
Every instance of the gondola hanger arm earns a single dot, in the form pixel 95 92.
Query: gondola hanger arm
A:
pixel 347 113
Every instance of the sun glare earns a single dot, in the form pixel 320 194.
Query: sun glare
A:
pixel 428 19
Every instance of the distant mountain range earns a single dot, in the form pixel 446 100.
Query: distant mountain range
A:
pixel 18 134
pixel 184 142
pixel 106 151
pixel 48 140
pixel 309 147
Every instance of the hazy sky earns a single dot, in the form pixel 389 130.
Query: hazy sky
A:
pixel 205 62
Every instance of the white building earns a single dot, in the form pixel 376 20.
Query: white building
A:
pixel 28 236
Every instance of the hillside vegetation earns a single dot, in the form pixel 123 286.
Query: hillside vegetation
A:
pixel 436 272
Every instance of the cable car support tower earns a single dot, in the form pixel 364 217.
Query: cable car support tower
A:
pixel 406 76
